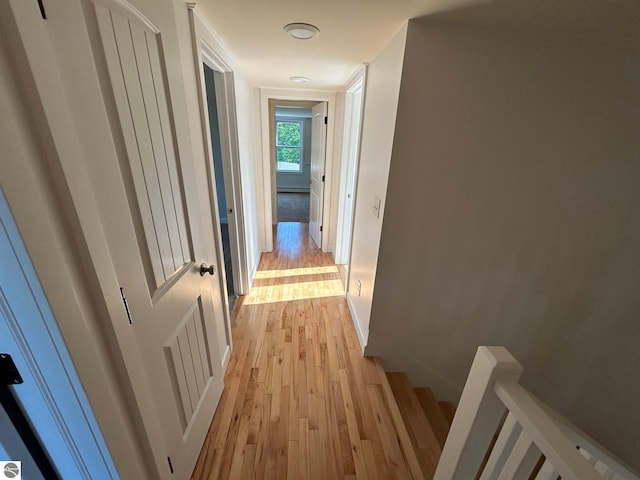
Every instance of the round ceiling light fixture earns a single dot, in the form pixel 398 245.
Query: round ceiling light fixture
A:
pixel 302 31
pixel 299 79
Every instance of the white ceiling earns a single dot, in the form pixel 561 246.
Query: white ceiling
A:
pixel 352 32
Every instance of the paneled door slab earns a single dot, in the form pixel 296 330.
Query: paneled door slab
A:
pixel 318 152
pixel 172 309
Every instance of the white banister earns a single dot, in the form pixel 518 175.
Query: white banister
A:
pixel 530 430
pixel 547 472
pixel 607 464
pixel 564 456
pixel 522 460
pixel 509 433
pixel 478 414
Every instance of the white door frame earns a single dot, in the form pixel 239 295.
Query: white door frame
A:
pixel 208 49
pixel 51 397
pixel 268 167
pixel 350 163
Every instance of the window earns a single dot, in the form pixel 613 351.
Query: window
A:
pixel 289 146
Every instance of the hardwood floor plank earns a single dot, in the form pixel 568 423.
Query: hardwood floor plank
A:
pixel 293 470
pixel 370 460
pixel 303 448
pixel 248 460
pixel 414 415
pixel 352 426
pixel 398 422
pixel 238 454
pixel 434 414
pixel 348 464
pixel 392 450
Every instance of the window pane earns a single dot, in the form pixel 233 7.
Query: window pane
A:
pixel 288 159
pixel 288 134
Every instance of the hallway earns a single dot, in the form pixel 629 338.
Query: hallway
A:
pixel 300 400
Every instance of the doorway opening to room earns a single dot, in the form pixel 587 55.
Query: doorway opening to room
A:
pixel 292 163
pixel 352 132
pixel 298 139
pixel 224 198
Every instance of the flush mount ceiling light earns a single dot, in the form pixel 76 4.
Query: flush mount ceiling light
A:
pixel 302 31
pixel 299 79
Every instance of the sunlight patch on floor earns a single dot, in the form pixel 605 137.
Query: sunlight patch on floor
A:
pixel 295 291
pixel 292 272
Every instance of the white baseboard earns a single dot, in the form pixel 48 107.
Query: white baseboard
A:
pixel 294 190
pixel 254 269
pixel 362 337
pixel 225 358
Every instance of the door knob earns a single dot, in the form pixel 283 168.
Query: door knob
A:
pixel 210 269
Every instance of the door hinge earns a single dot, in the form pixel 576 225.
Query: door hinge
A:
pixel 326 119
pixel 9 374
pixel 323 178
pixel 126 305
pixel 170 464
pixel 320 227
pixel 42 12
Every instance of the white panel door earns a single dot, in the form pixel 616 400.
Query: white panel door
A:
pixel 318 155
pixel 172 304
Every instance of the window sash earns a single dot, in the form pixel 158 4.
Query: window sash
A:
pixel 283 146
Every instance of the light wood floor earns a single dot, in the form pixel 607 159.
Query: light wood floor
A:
pixel 300 400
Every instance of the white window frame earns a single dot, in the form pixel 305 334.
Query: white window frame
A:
pixel 299 121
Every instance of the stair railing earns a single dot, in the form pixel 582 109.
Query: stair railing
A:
pixel 529 431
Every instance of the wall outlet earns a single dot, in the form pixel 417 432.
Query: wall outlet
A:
pixel 358 287
pixel 376 206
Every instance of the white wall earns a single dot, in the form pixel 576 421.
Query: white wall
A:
pixel 512 213
pixel 247 111
pixel 383 85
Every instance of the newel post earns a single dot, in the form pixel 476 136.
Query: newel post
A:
pixel 478 414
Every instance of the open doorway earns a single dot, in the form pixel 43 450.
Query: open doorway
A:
pixel 292 162
pixel 224 210
pixel 354 105
pixel 320 172
pixel 298 158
